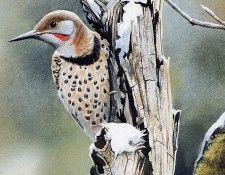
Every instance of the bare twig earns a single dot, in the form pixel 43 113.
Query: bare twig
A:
pixel 199 22
pixel 212 14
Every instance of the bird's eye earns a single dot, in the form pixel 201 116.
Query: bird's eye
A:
pixel 52 24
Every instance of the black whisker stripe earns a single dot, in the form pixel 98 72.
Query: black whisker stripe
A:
pixel 86 59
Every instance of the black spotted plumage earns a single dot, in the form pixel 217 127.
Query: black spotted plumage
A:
pixel 85 89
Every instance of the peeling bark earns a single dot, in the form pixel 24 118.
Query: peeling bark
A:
pixel 140 78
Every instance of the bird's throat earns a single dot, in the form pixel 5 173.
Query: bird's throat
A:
pixel 86 59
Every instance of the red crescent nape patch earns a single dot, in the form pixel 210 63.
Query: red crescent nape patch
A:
pixel 61 36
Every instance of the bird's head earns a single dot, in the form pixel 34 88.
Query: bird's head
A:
pixel 63 30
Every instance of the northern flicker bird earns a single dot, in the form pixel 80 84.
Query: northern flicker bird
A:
pixel 79 67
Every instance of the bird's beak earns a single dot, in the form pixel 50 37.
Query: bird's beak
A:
pixel 27 35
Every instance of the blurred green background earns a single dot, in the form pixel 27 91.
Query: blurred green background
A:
pixel 37 135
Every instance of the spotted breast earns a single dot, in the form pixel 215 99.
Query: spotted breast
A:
pixel 83 86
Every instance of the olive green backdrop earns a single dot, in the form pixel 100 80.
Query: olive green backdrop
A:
pixel 37 135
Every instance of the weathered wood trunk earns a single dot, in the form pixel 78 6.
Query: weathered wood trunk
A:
pixel 142 83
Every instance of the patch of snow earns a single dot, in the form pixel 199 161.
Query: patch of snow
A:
pixel 94 7
pixel 131 12
pixel 124 137
pixel 175 111
pixel 219 124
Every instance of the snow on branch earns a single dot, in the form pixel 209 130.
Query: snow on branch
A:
pixel 199 22
pixel 216 128
pixel 119 143
pixel 132 10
